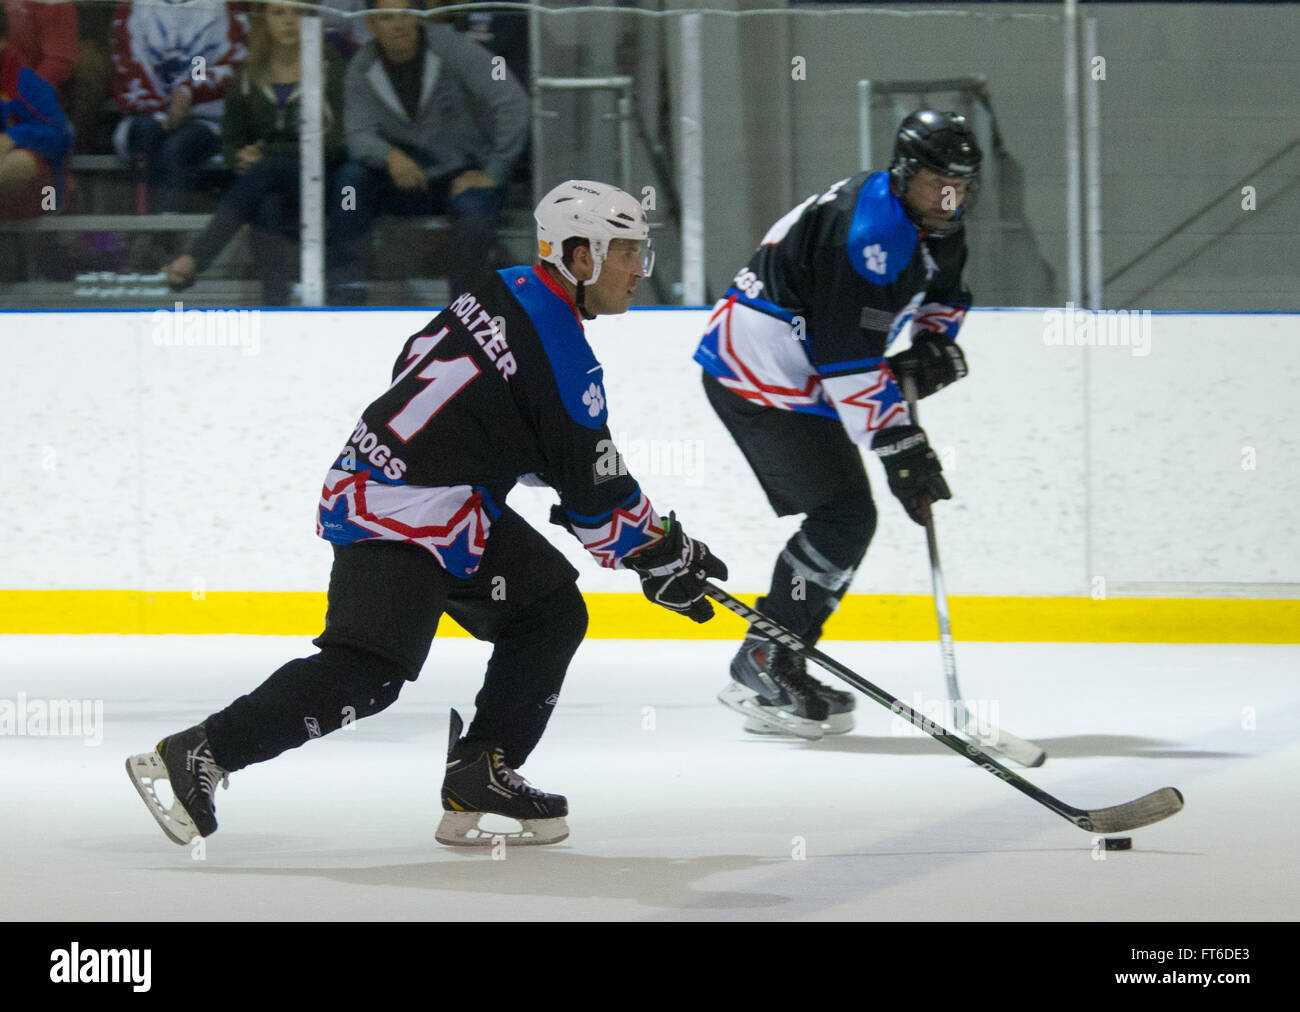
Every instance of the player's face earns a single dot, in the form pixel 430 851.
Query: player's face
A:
pixel 394 28
pixel 615 289
pixel 934 197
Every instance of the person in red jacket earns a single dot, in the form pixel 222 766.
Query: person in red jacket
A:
pixel 34 140
pixel 43 36
pixel 172 64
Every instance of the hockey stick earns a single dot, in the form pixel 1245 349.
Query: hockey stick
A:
pixel 1026 753
pixel 1140 812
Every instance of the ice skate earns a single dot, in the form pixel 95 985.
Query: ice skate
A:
pixel 770 686
pixel 478 782
pixel 184 762
pixel 839 704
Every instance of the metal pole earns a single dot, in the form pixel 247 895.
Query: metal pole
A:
pixel 625 139
pixel 1073 167
pixel 534 74
pixel 618 82
pixel 311 156
pixel 1092 156
pixel 1074 242
pixel 622 85
pixel 692 162
pixel 864 126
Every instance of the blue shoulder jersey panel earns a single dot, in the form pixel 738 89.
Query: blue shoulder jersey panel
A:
pixel 577 373
pixel 882 238
pixel 762 305
pixel 706 354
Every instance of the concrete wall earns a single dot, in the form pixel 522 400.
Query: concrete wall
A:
pixel 1196 97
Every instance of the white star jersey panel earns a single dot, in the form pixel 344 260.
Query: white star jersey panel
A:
pixel 452 523
pixel 806 324
pixel 499 385
pixel 758 355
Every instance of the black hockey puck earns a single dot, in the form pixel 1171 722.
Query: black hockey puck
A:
pixel 1119 843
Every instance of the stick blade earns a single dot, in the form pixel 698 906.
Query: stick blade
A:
pixel 1132 814
pixel 1019 751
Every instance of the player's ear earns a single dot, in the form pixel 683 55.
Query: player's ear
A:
pixel 583 265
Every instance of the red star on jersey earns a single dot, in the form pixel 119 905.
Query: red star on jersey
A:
pixel 945 319
pixel 627 531
pixel 882 401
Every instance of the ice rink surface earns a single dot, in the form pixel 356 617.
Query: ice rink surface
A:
pixel 675 813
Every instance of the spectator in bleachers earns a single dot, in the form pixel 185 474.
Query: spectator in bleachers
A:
pixel 89 88
pixel 260 130
pixel 433 126
pixel 346 35
pixel 43 36
pixel 34 139
pixel 67 47
pixel 172 63
pixel 504 33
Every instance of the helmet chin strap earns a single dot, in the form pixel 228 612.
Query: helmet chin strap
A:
pixel 947 228
pixel 582 301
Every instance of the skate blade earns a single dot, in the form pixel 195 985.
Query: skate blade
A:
pixel 145 770
pixel 836 723
pixel 460 829
pixel 745 702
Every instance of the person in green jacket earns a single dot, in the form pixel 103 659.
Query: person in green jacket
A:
pixel 259 134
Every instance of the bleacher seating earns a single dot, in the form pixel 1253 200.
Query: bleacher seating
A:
pixel 103 200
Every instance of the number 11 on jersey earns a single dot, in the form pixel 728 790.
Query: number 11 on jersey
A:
pixel 447 378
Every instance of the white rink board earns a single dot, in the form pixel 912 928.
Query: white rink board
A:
pixel 162 467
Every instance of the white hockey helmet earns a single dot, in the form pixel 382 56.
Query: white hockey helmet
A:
pixel 597 212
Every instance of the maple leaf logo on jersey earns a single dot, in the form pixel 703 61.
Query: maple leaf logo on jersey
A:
pixel 874 255
pixel 594 398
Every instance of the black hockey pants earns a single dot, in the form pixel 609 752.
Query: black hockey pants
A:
pixel 806 464
pixel 385 600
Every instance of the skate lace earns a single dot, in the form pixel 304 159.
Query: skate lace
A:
pixel 790 669
pixel 208 772
pixel 512 779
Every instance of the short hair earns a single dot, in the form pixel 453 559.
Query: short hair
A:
pixel 569 245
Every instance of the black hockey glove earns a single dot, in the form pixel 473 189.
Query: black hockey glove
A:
pixel 933 361
pixel 915 476
pixel 673 571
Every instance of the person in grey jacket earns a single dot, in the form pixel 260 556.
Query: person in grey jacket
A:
pixel 433 125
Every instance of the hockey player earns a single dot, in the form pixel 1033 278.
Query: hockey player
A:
pixel 500 386
pixel 795 366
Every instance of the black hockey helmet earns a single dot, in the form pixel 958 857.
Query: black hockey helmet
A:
pixel 944 143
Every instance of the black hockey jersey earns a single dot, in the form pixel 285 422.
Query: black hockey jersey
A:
pixel 834 282
pixel 499 386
